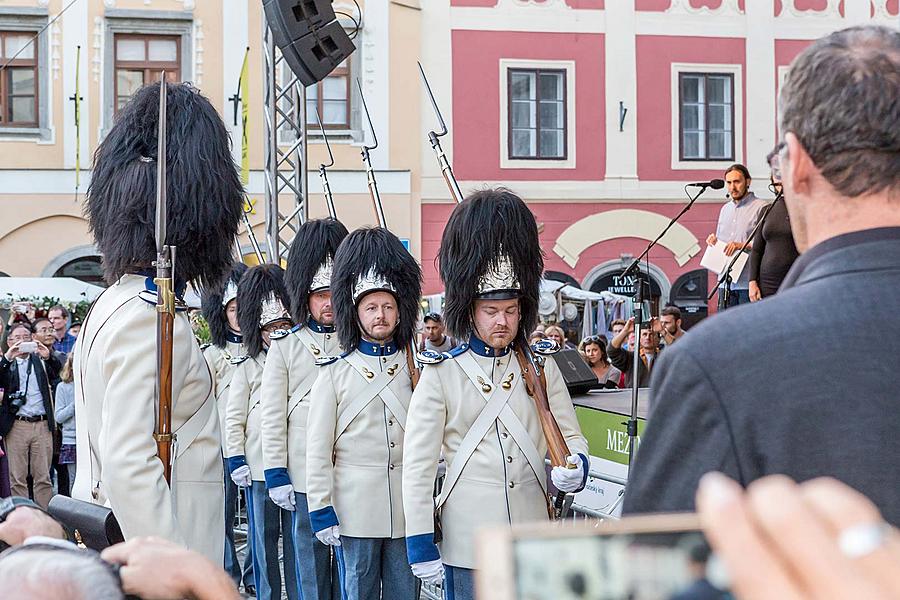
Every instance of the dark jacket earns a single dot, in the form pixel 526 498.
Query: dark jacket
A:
pixel 764 388
pixel 623 360
pixel 45 370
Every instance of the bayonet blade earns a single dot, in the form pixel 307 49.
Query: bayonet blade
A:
pixel 434 106
pixel 325 137
pixel 368 116
pixel 161 169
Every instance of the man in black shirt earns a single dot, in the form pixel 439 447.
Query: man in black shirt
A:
pixel 759 407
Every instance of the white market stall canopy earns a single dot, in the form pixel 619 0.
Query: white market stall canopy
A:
pixel 67 289
pixel 570 292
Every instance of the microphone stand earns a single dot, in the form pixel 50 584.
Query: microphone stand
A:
pixel 725 280
pixel 631 425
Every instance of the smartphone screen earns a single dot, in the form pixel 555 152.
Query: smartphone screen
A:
pixel 584 562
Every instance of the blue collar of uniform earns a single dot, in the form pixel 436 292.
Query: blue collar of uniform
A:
pixel 233 337
pixel 318 327
pixel 482 349
pixel 150 285
pixel 374 349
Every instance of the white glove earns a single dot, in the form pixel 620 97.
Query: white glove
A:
pixel 430 572
pixel 568 479
pixel 330 536
pixel 283 496
pixel 241 476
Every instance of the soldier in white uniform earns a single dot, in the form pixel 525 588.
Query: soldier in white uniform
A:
pixel 288 377
pixel 261 301
pixel 472 403
pixel 219 307
pixel 354 453
pixel 115 356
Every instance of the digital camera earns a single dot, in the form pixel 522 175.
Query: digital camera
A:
pixel 16 401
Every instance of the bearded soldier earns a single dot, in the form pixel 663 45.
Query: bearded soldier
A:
pixel 261 301
pixel 472 403
pixel 354 452
pixel 220 311
pixel 287 379
pixel 115 356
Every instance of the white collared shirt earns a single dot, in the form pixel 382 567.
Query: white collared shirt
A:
pixel 34 400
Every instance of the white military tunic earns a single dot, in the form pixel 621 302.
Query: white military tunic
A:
pixel 219 361
pixel 243 432
pixel 287 380
pixel 115 414
pixel 498 483
pixel 354 469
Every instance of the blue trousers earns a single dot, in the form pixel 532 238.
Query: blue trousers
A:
pixel 459 583
pixel 231 565
pixel 373 568
pixel 313 557
pixel 267 520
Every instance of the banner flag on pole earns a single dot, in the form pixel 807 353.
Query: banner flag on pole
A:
pixel 244 86
pixel 77 120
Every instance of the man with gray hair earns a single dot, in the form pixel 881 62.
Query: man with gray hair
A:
pixel 761 407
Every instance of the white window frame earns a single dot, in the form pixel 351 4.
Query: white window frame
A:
pixel 542 163
pixel 736 71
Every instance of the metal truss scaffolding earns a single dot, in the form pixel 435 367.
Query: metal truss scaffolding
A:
pixel 284 130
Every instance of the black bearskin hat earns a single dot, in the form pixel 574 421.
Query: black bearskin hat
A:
pixel 316 241
pixel 259 286
pixel 212 303
pixel 492 232
pixel 375 251
pixel 204 191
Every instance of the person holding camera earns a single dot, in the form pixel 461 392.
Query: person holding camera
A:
pixel 26 412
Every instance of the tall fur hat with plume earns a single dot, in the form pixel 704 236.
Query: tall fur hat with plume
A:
pixel 369 260
pixel 204 191
pixel 490 249
pixel 310 262
pixel 262 299
pixel 214 300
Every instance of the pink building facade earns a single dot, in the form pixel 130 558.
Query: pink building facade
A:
pixel 598 112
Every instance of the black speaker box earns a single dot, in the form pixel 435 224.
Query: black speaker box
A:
pixel 290 20
pixel 311 40
pixel 576 372
pixel 314 56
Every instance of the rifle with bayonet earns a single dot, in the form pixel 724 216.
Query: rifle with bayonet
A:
pixel 535 380
pixel 165 302
pixel 367 162
pixel 414 371
pixel 434 138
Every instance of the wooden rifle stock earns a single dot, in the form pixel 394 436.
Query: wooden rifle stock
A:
pixel 414 371
pixel 536 384
pixel 165 331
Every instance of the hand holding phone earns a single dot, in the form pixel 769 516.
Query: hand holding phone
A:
pixel 28 347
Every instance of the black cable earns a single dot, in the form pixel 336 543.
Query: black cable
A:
pixel 42 30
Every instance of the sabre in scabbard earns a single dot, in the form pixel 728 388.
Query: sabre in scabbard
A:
pixel 434 138
pixel 367 161
pixel 323 169
pixel 165 302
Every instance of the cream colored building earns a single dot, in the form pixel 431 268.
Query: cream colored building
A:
pixel 124 43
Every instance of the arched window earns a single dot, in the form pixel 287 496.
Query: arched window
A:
pixel 608 277
pixel 562 278
pixel 85 268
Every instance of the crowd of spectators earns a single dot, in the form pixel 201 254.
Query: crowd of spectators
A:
pixel 37 413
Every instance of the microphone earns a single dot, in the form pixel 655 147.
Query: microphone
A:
pixel 716 184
